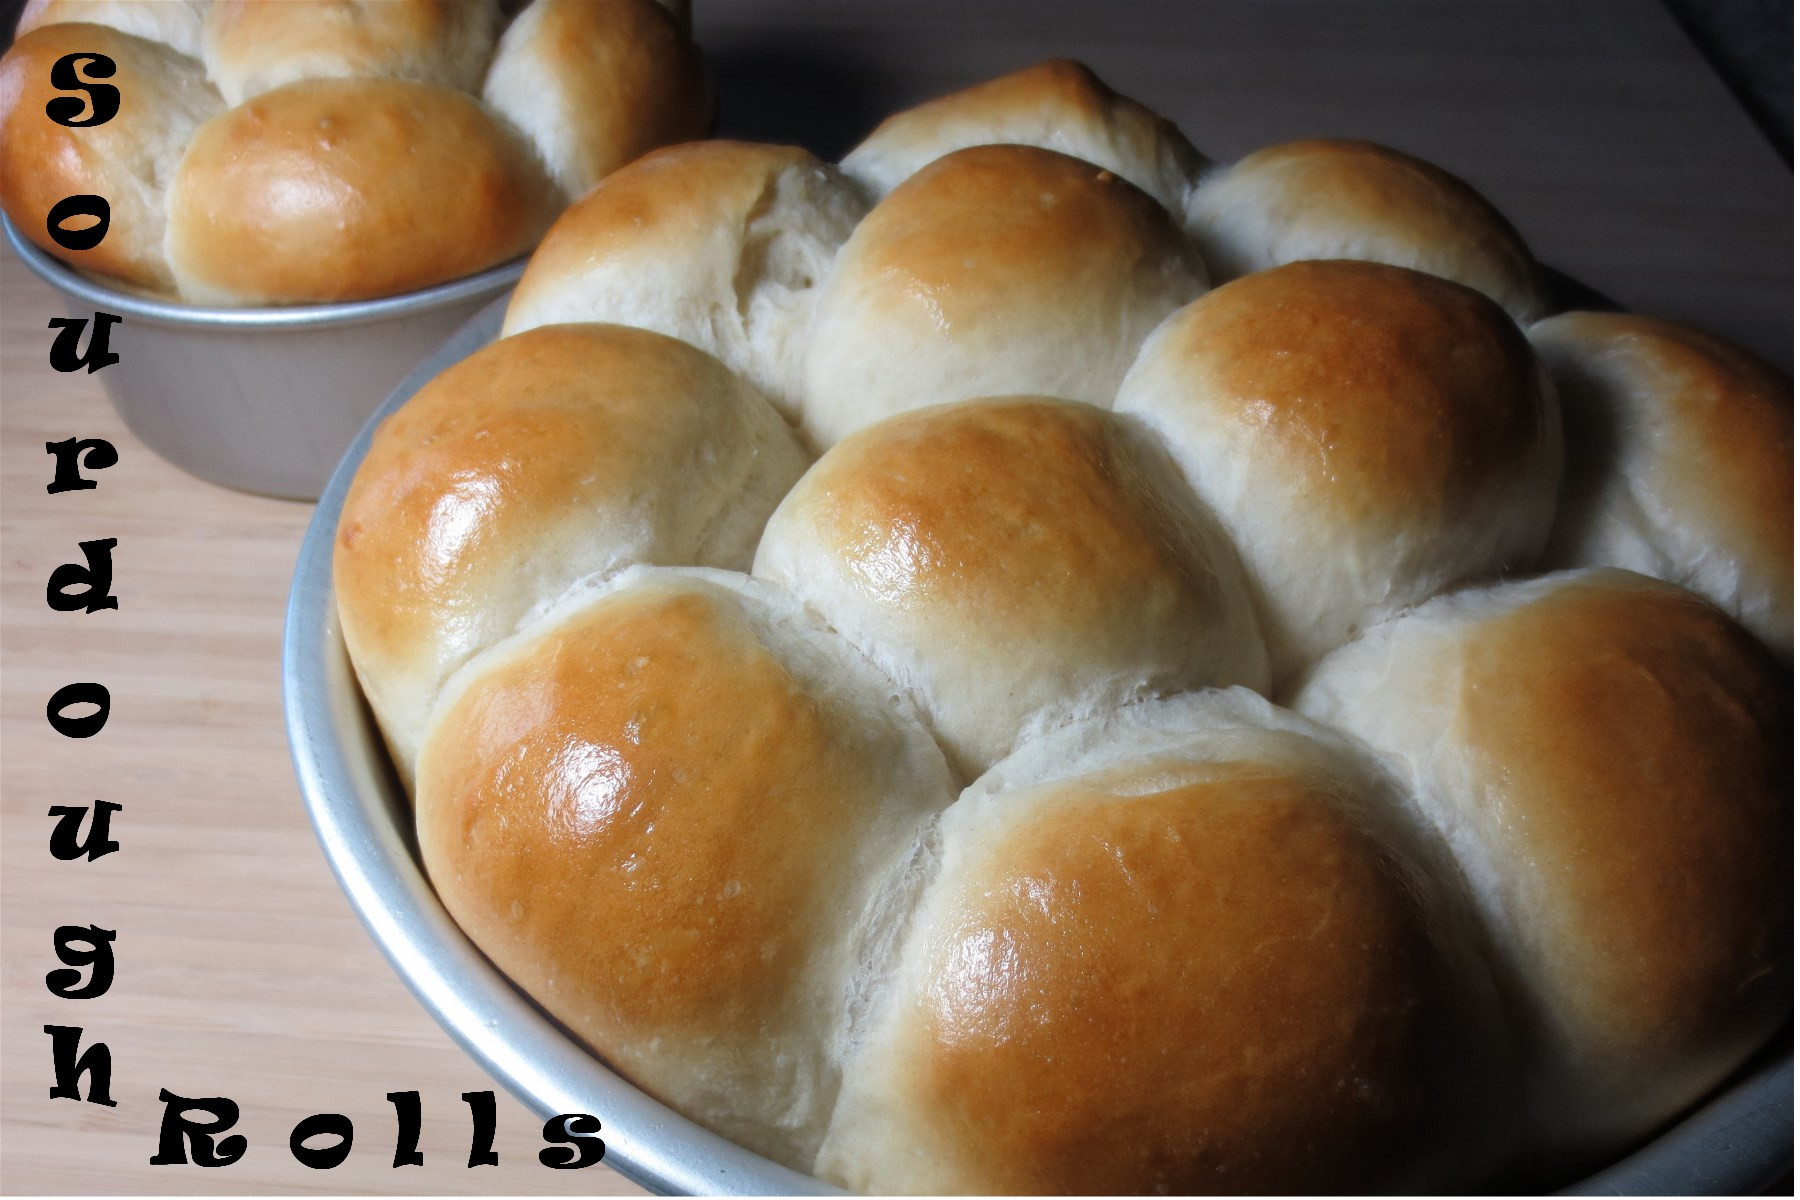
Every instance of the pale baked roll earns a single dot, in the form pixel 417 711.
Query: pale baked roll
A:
pixel 596 83
pixel 1013 564
pixel 1680 463
pixel 667 816
pixel 254 46
pixel 1367 435
pixel 1346 199
pixel 721 244
pixel 1609 759
pixel 128 160
pixel 537 462
pixel 995 270
pixel 345 189
pixel 1187 948
pixel 174 23
pixel 1058 105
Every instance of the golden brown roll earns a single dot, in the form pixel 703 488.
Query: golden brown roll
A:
pixel 175 23
pixel 597 84
pixel 254 46
pixel 1345 199
pixel 346 189
pixel 995 270
pixel 1608 758
pixel 1058 105
pixel 542 460
pixel 721 244
pixel 1185 949
pixel 128 160
pixel 1366 434
pixel 1014 564
pixel 669 815
pixel 1680 463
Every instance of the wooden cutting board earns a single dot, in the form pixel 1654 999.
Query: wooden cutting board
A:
pixel 1595 126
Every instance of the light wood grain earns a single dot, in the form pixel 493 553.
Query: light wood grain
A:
pixel 241 968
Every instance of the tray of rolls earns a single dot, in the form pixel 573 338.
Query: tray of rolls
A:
pixel 1031 661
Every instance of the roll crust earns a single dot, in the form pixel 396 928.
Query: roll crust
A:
pixel 1680 465
pixel 1348 199
pixel 1608 758
pixel 334 189
pixel 996 270
pixel 1014 562
pixel 660 814
pixel 1366 434
pixel 1058 105
pixel 564 453
pixel 129 160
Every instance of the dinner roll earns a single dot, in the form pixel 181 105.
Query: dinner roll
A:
pixel 595 85
pixel 341 189
pixel 543 459
pixel 1680 464
pixel 1013 563
pixel 128 160
pixel 1058 105
pixel 1368 435
pixel 1185 949
pixel 175 23
pixel 254 46
pixel 668 815
pixel 1608 758
pixel 994 270
pixel 721 244
pixel 1343 199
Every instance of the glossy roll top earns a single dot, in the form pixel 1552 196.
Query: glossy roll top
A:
pixel 559 455
pixel 1608 758
pixel 1367 435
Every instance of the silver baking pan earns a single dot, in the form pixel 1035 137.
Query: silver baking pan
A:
pixel 1739 1141
pixel 261 399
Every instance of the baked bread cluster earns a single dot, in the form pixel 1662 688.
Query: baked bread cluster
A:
pixel 1028 661
pixel 272 152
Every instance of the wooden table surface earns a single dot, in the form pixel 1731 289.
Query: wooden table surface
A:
pixel 241 970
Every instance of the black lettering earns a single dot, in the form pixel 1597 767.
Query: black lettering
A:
pixel 179 1135
pixel 582 1133
pixel 95 1063
pixel 99 955
pixel 65 840
pixel 72 454
pixel 88 236
pixel 102 103
pixel 94 580
pixel 484 1117
pixel 65 351
pixel 322 1158
pixel 410 1116
pixel 68 696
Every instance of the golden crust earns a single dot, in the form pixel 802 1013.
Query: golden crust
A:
pixel 254 45
pixel 1633 741
pixel 1221 987
pixel 986 224
pixel 626 81
pixel 639 820
pixel 1057 105
pixel 1016 514
pixel 1349 199
pixel 1710 426
pixel 657 205
pixel 127 160
pixel 336 189
pixel 1387 393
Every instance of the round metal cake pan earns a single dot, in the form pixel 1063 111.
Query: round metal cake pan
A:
pixel 261 399
pixel 1739 1141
